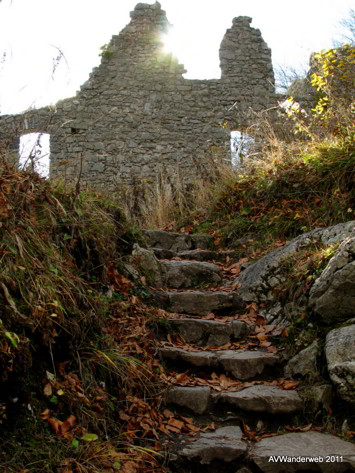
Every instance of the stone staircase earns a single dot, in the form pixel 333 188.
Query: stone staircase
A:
pixel 216 348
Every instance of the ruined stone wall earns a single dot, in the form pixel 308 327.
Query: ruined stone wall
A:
pixel 137 113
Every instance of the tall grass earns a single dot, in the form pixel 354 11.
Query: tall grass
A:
pixel 287 186
pixel 169 198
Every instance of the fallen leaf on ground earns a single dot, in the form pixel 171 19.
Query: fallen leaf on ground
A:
pixel 176 423
pixel 168 413
pixel 298 429
pixel 48 389
pixel 290 384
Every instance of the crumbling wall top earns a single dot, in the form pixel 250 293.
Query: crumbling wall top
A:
pixel 245 58
pixel 137 113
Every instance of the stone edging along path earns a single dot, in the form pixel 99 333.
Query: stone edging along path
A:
pixel 217 347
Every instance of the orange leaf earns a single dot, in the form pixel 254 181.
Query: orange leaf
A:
pixel 173 429
pixel 253 306
pixel 246 428
pixel 298 429
pixel 55 424
pixel 306 429
pixel 264 436
pixel 249 433
pixel 189 420
pixel 193 428
pixel 48 389
pixel 163 429
pixel 154 414
pixel 145 426
pixel 181 377
pixel 168 413
pixel 68 424
pixel 138 348
pixel 290 384
pixel 45 415
pixel 176 423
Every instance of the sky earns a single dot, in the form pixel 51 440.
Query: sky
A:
pixel 33 33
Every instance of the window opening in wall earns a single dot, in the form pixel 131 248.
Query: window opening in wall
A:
pixel 34 153
pixel 241 148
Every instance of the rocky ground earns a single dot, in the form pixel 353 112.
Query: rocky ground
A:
pixel 217 337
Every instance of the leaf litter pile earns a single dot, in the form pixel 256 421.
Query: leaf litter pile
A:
pixel 66 380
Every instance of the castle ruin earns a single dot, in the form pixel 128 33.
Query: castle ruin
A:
pixel 137 113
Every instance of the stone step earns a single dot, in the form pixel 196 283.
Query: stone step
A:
pixel 196 255
pixel 209 332
pixel 161 253
pixel 261 398
pixel 224 444
pixel 330 454
pixel 176 241
pixel 199 302
pixel 208 255
pixel 189 274
pixel 269 399
pixel 242 365
pixel 288 453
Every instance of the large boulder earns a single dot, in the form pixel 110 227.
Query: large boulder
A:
pixel 340 354
pixel 333 293
pixel 259 279
pixel 304 363
pixel 147 265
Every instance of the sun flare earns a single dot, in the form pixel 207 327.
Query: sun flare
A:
pixel 172 43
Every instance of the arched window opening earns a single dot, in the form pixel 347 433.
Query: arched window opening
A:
pixel 241 148
pixel 34 153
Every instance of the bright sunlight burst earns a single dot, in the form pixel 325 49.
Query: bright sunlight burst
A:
pixel 173 43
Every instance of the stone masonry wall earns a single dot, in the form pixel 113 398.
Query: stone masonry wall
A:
pixel 137 113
